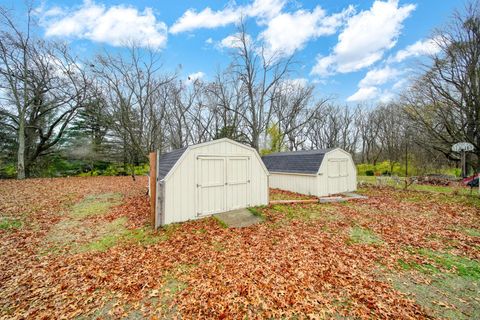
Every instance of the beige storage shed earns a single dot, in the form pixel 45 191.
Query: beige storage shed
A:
pixel 208 178
pixel 315 172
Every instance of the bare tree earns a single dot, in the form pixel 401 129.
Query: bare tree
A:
pixel 445 101
pixel 293 108
pixel 260 73
pixel 334 126
pixel 134 87
pixel 43 85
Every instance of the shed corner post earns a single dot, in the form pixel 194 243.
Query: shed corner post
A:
pixel 153 187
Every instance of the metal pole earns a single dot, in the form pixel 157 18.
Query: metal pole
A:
pixel 463 164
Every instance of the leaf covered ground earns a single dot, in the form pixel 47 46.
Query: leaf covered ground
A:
pixel 82 248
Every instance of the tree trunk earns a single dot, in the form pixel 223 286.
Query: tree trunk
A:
pixel 21 149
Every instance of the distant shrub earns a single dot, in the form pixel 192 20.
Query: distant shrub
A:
pixel 369 173
pixel 142 170
pixel 110 171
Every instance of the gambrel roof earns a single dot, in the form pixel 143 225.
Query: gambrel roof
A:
pixel 306 162
pixel 167 161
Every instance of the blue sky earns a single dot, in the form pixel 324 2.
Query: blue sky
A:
pixel 354 51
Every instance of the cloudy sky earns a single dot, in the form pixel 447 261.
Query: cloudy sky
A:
pixel 356 51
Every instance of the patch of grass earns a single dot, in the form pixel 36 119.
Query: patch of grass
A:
pixel 307 212
pixel 218 246
pixel 257 211
pixel 102 244
pixel 95 205
pixel 10 224
pixel 423 268
pixel 220 222
pixel 447 286
pixel 168 230
pixel 106 238
pixel 447 297
pixel 120 235
pixel 364 236
pixel 172 285
pixel 143 236
pixel 472 232
pixel 462 266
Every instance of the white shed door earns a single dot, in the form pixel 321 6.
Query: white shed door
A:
pixel 337 176
pixel 222 184
pixel 211 185
pixel 237 182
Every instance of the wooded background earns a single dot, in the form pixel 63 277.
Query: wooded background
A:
pixel 63 116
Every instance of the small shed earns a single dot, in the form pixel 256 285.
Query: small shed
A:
pixel 315 172
pixel 208 178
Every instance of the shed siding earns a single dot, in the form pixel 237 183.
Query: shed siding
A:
pixel 328 180
pixel 181 185
pixel 294 182
pixel 349 183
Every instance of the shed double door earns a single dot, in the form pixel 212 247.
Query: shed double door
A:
pixel 222 184
pixel 337 175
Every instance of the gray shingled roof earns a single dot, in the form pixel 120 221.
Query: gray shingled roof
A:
pixel 168 160
pixel 295 162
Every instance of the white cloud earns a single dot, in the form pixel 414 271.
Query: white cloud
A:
pixel 195 76
pixel 265 9
pixel 209 41
pixel 288 32
pixel 377 77
pixel 368 86
pixel 365 38
pixel 419 48
pixel 233 41
pixel 115 25
pixel 296 82
pixel 386 96
pixel 208 18
pixel 366 93
pixel 400 84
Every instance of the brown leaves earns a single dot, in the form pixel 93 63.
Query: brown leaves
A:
pixel 285 267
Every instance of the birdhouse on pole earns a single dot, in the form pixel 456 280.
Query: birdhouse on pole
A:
pixel 462 148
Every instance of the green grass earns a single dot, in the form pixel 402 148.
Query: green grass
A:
pixel 10 224
pixel 425 268
pixel 307 212
pixel 120 235
pixel 257 211
pixel 442 296
pixel 447 285
pixel 458 194
pixel 95 205
pixel 220 222
pixel 462 266
pixel 472 232
pixel 364 236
